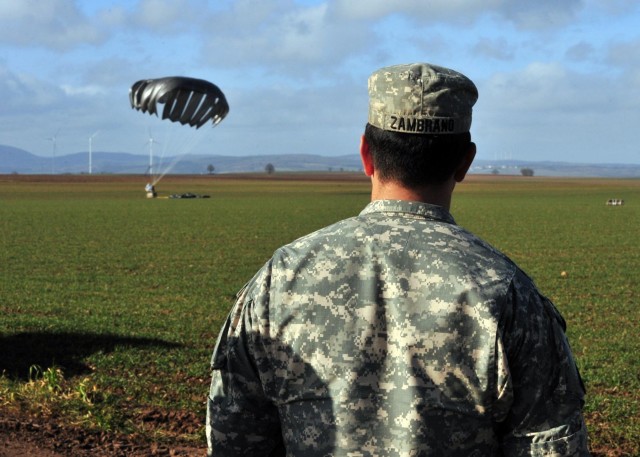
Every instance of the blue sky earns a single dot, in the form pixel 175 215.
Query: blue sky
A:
pixel 558 80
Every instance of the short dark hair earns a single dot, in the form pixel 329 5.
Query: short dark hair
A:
pixel 416 160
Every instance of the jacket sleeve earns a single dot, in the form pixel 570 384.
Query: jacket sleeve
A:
pixel 240 419
pixel 545 417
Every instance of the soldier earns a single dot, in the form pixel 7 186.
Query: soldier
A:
pixel 397 332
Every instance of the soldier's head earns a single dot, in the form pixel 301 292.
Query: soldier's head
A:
pixel 419 121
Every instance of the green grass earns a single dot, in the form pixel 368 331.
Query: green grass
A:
pixel 116 300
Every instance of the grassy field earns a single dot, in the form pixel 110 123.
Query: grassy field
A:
pixel 110 303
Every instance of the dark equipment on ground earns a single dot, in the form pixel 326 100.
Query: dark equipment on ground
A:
pixel 188 195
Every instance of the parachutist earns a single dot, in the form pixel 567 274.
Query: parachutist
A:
pixel 151 190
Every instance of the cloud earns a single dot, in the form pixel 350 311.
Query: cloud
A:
pixel 169 16
pixel 280 119
pixel 539 14
pixel 55 24
pixel 113 72
pixel 495 48
pixel 432 11
pixel 525 14
pixel 22 93
pixel 88 90
pixel 113 17
pixel 295 71
pixel 615 7
pixel 33 109
pixel 624 54
pixel 546 90
pixel 580 52
pixel 295 41
pixel 548 112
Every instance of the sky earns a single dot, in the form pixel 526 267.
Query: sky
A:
pixel 558 80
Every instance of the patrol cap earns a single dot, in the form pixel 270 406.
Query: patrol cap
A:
pixel 421 98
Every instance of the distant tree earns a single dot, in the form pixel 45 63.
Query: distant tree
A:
pixel 210 169
pixel 269 168
pixel 495 171
pixel 526 172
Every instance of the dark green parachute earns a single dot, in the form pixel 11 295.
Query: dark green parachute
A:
pixel 186 100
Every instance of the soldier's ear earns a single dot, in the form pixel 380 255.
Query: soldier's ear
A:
pixel 464 166
pixel 365 156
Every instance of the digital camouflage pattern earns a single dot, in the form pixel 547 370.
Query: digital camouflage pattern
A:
pixel 421 99
pixel 394 333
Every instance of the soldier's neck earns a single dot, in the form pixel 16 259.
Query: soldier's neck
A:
pixel 435 194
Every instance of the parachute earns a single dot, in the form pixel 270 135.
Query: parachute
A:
pixel 188 101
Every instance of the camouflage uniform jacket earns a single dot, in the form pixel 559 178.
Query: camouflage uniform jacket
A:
pixel 394 333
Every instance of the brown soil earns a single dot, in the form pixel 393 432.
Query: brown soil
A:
pixel 284 176
pixel 31 436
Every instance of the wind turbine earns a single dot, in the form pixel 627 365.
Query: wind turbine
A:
pixel 90 150
pixel 53 156
pixel 151 141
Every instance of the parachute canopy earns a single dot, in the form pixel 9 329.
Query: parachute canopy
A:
pixel 186 100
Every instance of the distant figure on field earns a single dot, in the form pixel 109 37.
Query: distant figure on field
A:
pixel 396 332
pixel 151 190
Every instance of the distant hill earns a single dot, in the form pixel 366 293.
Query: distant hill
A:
pixel 20 161
pixel 14 160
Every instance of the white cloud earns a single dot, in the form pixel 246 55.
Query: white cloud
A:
pixel 303 35
pixel 55 24
pixel 22 93
pixel 170 16
pixel 431 11
pixel 114 72
pixel 544 90
pixel 88 90
pixel 547 112
pixel 539 14
pixel 295 40
pixel 295 71
pixel 525 14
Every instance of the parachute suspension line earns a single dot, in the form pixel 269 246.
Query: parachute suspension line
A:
pixel 177 143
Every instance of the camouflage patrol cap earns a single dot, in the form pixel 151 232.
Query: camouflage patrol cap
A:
pixel 421 98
